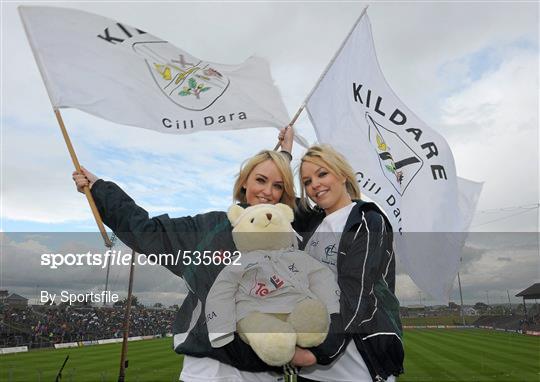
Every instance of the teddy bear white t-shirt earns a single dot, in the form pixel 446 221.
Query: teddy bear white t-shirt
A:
pixel 275 296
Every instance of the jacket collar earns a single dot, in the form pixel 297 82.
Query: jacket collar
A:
pixel 355 217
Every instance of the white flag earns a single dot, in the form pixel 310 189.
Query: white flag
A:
pixel 128 76
pixel 400 162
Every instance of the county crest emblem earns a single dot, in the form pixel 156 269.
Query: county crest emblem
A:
pixel 187 81
pixel 400 171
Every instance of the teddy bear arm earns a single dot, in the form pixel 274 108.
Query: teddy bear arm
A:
pixel 220 307
pixel 323 285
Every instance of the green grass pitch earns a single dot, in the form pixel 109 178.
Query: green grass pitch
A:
pixel 431 355
pixel 470 355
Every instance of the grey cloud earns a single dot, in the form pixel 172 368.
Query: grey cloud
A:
pixel 492 264
pixel 23 273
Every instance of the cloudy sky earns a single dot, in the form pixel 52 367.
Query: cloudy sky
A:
pixel 469 70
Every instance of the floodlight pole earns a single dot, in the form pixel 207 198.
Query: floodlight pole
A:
pixel 461 298
pixel 107 281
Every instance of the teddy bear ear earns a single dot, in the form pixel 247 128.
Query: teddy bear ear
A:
pixel 286 211
pixel 234 212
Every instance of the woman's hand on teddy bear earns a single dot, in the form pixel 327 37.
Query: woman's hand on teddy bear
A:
pixel 303 358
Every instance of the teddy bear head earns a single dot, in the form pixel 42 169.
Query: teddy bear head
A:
pixel 262 227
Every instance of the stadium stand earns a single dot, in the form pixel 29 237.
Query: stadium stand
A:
pixel 531 320
pixel 44 326
pixel 512 323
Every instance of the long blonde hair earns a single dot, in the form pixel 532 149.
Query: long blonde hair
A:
pixel 328 157
pixel 283 166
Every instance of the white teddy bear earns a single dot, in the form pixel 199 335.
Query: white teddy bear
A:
pixel 279 297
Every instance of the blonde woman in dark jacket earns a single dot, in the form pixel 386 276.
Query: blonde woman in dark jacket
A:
pixel 263 178
pixel 354 239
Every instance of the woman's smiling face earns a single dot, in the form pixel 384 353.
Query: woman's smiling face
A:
pixel 264 184
pixel 323 187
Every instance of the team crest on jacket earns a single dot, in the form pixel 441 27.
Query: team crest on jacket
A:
pixel 399 171
pixel 187 81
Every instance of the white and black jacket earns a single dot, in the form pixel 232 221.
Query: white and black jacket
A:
pixel 369 310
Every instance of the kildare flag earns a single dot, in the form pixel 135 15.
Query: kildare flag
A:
pixel 123 74
pixel 400 162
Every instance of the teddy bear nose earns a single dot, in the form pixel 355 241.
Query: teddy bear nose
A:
pixel 269 216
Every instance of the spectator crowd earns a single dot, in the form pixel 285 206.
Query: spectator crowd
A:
pixel 43 326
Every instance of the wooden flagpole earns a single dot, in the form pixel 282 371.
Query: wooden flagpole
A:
pixel 336 54
pixel 108 244
pixel 325 71
pixel 123 361
pixel 292 123
pixel 86 189
pixel 46 82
